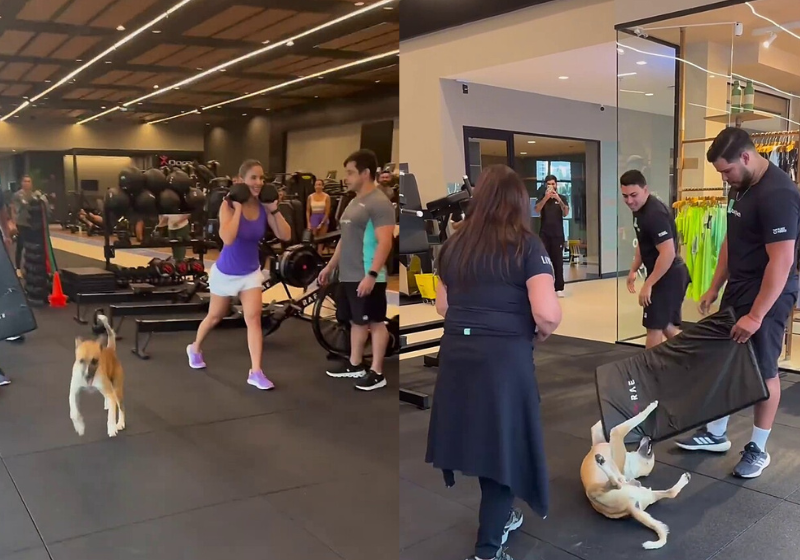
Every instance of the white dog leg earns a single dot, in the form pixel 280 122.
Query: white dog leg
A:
pixel 74 411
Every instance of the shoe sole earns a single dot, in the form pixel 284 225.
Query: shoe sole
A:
pixel 257 386
pixel 5 382
pixel 372 387
pixel 757 473
pixel 512 527
pixel 716 448
pixel 351 374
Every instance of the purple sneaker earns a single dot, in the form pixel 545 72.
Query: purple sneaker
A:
pixel 259 380
pixel 195 358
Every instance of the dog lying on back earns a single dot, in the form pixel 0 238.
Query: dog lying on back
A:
pixel 97 368
pixel 609 472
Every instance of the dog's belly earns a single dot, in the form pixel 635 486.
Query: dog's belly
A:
pixel 613 504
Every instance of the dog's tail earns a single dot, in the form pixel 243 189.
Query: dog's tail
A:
pixel 112 336
pixel 649 521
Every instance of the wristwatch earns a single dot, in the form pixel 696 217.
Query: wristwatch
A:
pixel 273 212
pixel 373 273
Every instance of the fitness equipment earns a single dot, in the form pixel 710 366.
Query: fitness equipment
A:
pixel 155 181
pixel 239 192
pixel 146 203
pixel 180 181
pixel 195 199
pixel 169 202
pixel 117 201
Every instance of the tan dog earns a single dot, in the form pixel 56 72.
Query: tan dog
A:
pixel 97 368
pixel 609 474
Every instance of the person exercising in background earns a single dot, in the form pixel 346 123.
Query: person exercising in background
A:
pixel 553 209
pixel 758 259
pixel 667 275
pixel 318 211
pixel 367 228
pixel 178 228
pixel 21 216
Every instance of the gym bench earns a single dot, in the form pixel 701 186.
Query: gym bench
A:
pixel 418 399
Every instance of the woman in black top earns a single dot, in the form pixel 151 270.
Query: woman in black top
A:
pixel 497 295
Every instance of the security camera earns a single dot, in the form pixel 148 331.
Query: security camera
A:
pixel 602 107
pixel 640 32
pixel 738 29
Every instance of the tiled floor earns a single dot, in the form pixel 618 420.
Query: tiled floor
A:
pixel 716 516
pixel 208 467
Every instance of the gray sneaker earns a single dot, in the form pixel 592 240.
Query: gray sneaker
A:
pixel 514 522
pixel 501 555
pixel 703 440
pixel 3 379
pixel 753 462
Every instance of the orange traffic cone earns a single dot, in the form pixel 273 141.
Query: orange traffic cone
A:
pixel 57 298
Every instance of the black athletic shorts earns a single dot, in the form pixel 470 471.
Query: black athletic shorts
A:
pixel 361 310
pixel 666 299
pixel 767 340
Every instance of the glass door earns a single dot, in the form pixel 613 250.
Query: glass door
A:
pixel 484 147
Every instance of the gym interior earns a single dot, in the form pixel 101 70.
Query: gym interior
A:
pixel 129 117
pixel 630 85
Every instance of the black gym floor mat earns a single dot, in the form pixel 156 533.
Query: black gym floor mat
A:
pixel 208 466
pixel 715 515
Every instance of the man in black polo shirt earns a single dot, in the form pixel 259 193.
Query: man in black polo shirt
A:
pixel 758 261
pixel 657 248
pixel 553 209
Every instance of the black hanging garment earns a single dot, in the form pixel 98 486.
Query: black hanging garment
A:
pixel 16 316
pixel 699 376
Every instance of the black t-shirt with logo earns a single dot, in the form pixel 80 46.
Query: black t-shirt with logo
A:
pixel 552 218
pixel 767 212
pixel 654 224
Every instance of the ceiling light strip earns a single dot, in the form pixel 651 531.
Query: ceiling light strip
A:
pixel 285 84
pixel 179 115
pixel 100 56
pixel 247 56
pixel 776 24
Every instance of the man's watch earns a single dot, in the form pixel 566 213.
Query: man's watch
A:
pixel 373 273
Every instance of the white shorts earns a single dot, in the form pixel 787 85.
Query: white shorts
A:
pixel 221 284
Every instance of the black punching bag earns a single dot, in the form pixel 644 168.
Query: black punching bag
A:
pixel 16 316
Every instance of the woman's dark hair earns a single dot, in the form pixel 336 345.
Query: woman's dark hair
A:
pixel 247 165
pixel 550 178
pixel 498 223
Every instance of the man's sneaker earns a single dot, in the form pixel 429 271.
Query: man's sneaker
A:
pixel 3 379
pixel 501 555
pixel 371 381
pixel 753 462
pixel 16 339
pixel 347 370
pixel 514 522
pixel 703 440
pixel 195 358
pixel 258 380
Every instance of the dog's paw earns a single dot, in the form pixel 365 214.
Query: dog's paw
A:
pixel 685 478
pixel 600 459
pixel 121 425
pixel 112 430
pixel 79 426
pixel 652 406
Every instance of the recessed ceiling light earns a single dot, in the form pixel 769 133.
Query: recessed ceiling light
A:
pixel 224 70
pixel 377 81
pixel 108 62
pixel 359 3
pixel 47 81
pixel 523 153
pixel 156 31
pixel 208 124
pixel 155 87
pixel 641 62
pixel 198 69
pixel 120 28
pixel 563 77
pixel 103 107
pixel 24 97
pixel 290 44
pixel 649 94
pixel 78 60
pixel 316 97
pixel 531 141
pixel 265 42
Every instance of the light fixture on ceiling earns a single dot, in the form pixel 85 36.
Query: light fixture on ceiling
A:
pixel 120 28
pixel 265 42
pixel 531 141
pixel 563 77
pixel 257 52
pixel 377 81
pixel 523 153
pixel 641 62
pixel 224 70
pixel 359 3
pixel 289 43
pixel 103 107
pixel 156 31
pixel 102 55
pixel 244 114
pixel 47 81
pixel 626 74
pixel 285 84
pixel 78 60
pixel 649 94
pixel 155 86
pixel 108 62
pixel 316 97
pixel 770 40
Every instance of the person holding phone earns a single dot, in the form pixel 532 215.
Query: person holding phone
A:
pixel 553 209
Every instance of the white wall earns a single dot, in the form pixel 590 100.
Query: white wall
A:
pixel 396 142
pixel 104 169
pixel 320 150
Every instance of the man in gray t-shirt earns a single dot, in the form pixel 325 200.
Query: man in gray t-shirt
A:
pixel 20 206
pixel 367 228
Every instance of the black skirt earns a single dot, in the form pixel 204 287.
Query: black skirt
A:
pixel 485 419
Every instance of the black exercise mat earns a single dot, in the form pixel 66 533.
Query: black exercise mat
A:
pixel 16 316
pixel 696 377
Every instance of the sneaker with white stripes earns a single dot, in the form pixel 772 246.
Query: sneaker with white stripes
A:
pixel 753 462
pixel 703 440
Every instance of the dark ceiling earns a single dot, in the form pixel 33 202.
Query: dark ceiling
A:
pixel 42 41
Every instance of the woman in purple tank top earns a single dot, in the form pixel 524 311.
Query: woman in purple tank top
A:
pixel 237 272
